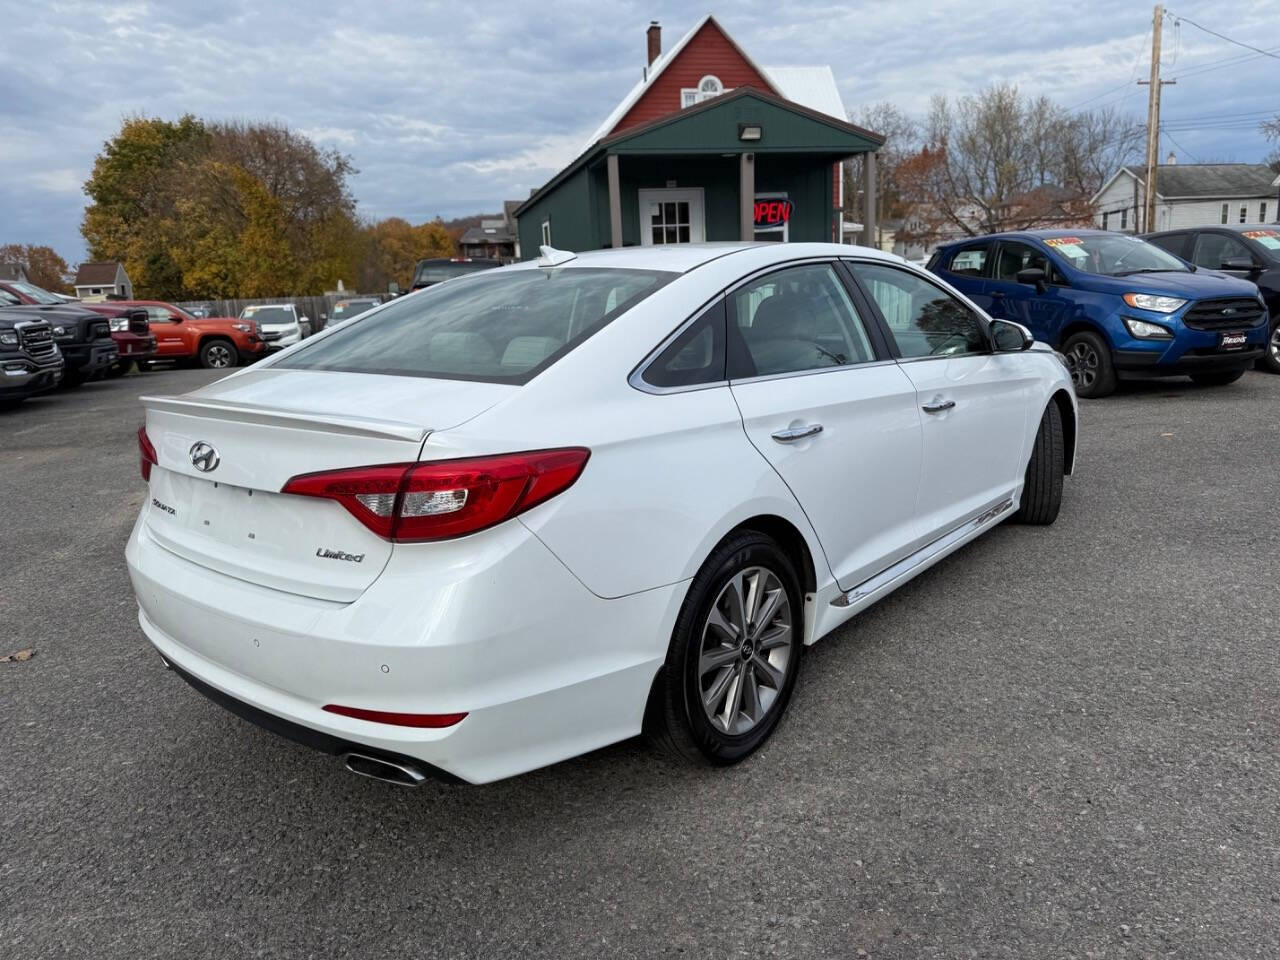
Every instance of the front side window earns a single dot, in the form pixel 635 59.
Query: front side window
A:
pixel 794 320
pixel 495 327
pixel 159 315
pixel 970 262
pixel 924 320
pixel 1016 257
pixel 1214 249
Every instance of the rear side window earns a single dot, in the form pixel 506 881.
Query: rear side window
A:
pixel 1213 249
pixel 794 320
pixel 969 263
pixel 924 320
pixel 496 327
pixel 1175 243
pixel 695 357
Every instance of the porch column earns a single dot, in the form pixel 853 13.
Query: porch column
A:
pixel 747 196
pixel 869 199
pixel 615 203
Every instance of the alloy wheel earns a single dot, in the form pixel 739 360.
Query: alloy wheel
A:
pixel 746 647
pixel 1274 346
pixel 218 356
pixel 1083 362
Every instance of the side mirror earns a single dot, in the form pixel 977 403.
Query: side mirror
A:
pixel 1240 265
pixel 176 317
pixel 1033 277
pixel 1011 337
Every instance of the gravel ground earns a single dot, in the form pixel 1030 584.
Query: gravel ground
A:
pixel 1060 742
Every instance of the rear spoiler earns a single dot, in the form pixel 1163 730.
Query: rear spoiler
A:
pixel 275 417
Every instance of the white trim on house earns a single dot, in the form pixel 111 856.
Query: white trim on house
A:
pixel 693 196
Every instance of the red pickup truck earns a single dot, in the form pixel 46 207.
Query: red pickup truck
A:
pixel 215 342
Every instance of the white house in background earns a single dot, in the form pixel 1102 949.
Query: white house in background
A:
pixel 97 281
pixel 1189 195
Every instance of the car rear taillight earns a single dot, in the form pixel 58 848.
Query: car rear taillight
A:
pixel 416 502
pixel 147 453
pixel 421 720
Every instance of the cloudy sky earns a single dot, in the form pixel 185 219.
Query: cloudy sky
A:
pixel 449 108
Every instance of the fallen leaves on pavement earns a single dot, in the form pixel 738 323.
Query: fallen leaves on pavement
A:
pixel 20 656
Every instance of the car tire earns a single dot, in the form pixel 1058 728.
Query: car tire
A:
pixel 1271 359
pixel 1042 489
pixel 713 681
pixel 217 354
pixel 1218 378
pixel 1090 364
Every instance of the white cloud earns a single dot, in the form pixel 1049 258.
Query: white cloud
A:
pixel 57 181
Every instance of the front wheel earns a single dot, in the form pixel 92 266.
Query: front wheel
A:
pixel 217 354
pixel 1271 359
pixel 1089 361
pixel 734 654
pixel 1218 378
pixel 1042 489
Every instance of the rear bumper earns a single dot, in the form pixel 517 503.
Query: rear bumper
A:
pixel 492 625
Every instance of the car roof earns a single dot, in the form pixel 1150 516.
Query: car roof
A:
pixel 1034 235
pixel 1233 227
pixel 683 257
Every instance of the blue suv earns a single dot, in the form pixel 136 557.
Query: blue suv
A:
pixel 1114 305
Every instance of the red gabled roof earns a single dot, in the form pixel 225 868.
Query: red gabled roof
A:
pixel 706 50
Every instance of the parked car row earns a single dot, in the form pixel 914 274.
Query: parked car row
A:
pixel 1119 306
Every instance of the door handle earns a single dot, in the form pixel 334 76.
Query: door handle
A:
pixel 793 434
pixel 937 406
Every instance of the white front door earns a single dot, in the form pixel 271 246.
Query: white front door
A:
pixel 673 215
pixel 974 403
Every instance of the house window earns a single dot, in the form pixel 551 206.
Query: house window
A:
pixel 1225 212
pixel 669 222
pixel 1124 219
pixel 546 233
pixel 708 87
pixel 1244 213
pixel 1262 212
pixel 1105 217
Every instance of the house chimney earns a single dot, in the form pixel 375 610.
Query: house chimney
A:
pixel 1171 159
pixel 654 36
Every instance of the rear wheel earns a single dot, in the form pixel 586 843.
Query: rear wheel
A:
pixel 217 354
pixel 1042 491
pixel 734 655
pixel 1219 378
pixel 1089 360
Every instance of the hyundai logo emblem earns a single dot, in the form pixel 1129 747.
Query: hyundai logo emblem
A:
pixel 203 457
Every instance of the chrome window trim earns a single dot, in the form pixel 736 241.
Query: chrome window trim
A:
pixel 636 377
pixel 844 367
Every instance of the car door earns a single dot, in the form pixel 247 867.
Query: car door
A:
pixel 170 341
pixel 966 269
pixel 830 410
pixel 974 402
pixel 1045 312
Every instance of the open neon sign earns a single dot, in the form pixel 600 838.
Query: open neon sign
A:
pixel 772 213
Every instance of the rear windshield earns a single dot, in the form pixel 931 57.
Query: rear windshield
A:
pixel 446 270
pixel 1115 255
pixel 268 314
pixel 504 327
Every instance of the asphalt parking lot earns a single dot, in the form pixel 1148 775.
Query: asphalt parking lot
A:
pixel 1060 742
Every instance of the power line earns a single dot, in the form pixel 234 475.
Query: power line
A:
pixel 1221 36
pixel 1180 146
pixel 1196 69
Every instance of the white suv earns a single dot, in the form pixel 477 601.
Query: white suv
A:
pixel 279 324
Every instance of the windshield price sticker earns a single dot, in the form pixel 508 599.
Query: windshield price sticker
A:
pixel 1268 238
pixel 1068 247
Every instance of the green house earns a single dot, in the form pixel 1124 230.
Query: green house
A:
pixel 706 148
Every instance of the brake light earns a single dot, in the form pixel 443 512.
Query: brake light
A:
pixel 147 454
pixel 417 502
pixel 427 720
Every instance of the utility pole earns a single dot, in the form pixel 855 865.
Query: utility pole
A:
pixel 1153 126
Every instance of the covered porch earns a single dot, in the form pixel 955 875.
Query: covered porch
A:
pixel 746 165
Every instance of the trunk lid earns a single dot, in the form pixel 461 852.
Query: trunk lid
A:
pixel 223 510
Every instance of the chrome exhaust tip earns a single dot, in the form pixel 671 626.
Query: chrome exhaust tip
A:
pixel 167 664
pixel 388 771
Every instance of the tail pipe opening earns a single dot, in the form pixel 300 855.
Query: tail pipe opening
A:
pixel 388 771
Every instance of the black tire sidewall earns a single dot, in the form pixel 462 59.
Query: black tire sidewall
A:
pixel 750 550
pixel 210 344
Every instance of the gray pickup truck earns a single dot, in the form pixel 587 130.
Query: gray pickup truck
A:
pixel 30 361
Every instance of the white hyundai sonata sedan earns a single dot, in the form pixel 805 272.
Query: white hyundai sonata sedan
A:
pixel 521 515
